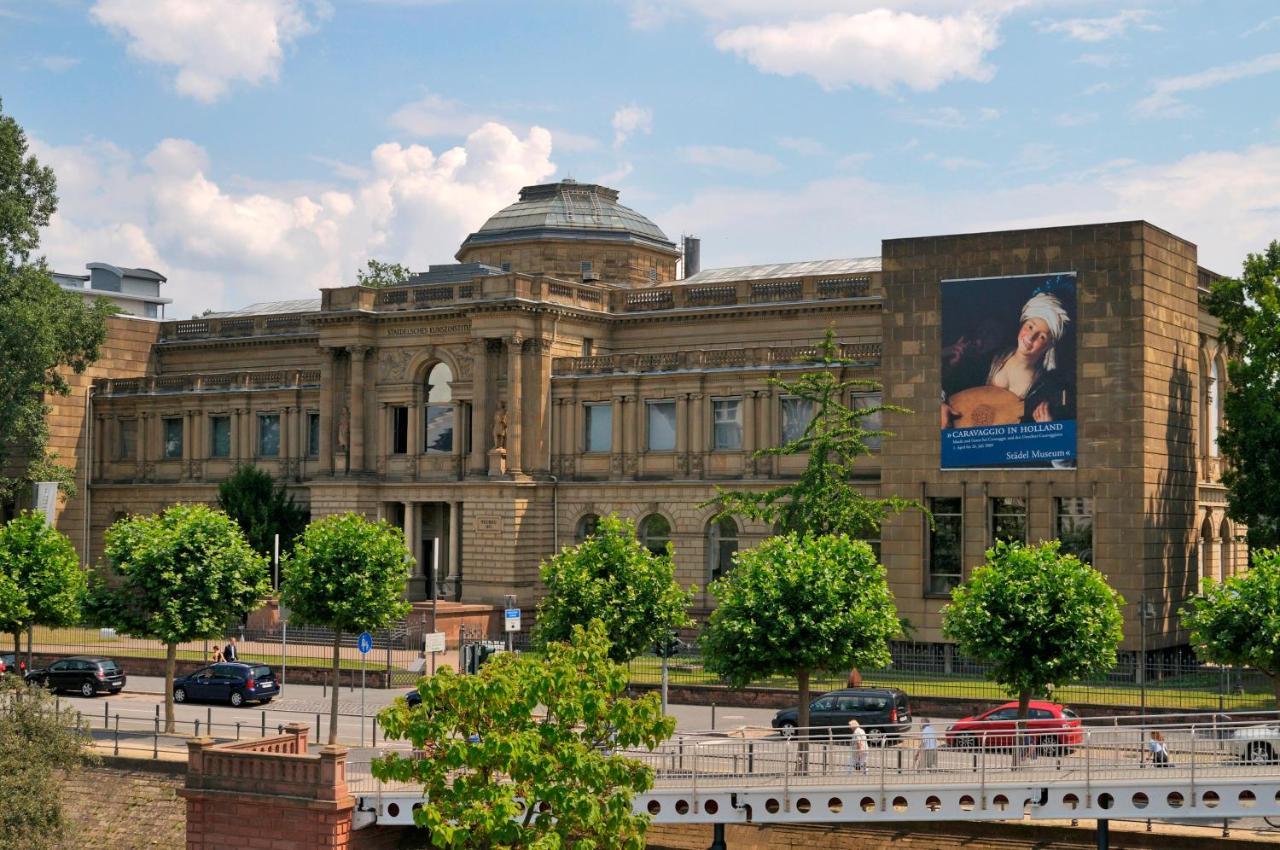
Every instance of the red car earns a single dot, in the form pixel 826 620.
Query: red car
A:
pixel 1054 729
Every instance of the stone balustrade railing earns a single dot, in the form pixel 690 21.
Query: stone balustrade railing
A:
pixel 255 380
pixel 742 358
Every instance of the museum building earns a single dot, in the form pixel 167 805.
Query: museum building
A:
pixel 563 369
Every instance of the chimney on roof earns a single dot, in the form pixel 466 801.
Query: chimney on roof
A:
pixel 692 255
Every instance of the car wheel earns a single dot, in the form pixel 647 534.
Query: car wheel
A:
pixel 179 694
pixel 86 689
pixel 237 699
pixel 1260 753
pixel 788 727
pixel 967 742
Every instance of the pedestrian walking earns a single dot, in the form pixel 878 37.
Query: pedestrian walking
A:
pixel 217 655
pixel 1159 752
pixel 859 742
pixel 229 654
pixel 927 755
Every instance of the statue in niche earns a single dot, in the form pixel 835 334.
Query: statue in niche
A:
pixel 344 428
pixel 500 426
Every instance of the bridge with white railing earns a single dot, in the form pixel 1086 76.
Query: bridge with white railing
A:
pixel 1215 770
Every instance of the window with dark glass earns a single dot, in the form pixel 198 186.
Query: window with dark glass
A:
pixel 399 430
pixel 722 543
pixel 872 421
pixel 599 426
pixel 1075 527
pixel 586 527
pixel 662 425
pixel 1008 519
pixel 440 410
pixel 655 533
pixel 268 435
pixel 172 432
pixel 313 434
pixel 796 415
pixel 945 556
pixel 219 436
pixel 726 423
pixel 128 448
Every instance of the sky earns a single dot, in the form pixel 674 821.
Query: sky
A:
pixel 258 150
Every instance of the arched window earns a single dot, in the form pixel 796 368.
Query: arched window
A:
pixel 586 527
pixel 1204 549
pixel 438 438
pixel 1213 402
pixel 655 533
pixel 722 543
pixel 1226 561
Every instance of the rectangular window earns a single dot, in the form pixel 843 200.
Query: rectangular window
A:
pixel 796 415
pixel 219 436
pixel 1008 519
pixel 313 434
pixel 1075 527
pixel 945 557
pixel 588 346
pixel 662 425
pixel 268 435
pixel 172 430
pixel 128 448
pixel 585 267
pixel 872 421
pixel 599 426
pixel 399 430
pixel 439 429
pixel 726 423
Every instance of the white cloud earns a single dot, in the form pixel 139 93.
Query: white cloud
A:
pixel 727 158
pixel 956 163
pixel 433 115
pixel 629 120
pixel 1164 99
pixel 802 145
pixel 1262 27
pixel 650 14
pixel 58 64
pixel 212 44
pixel 221 247
pixel 1098 88
pixel 1105 61
pixel 946 116
pixel 1100 29
pixel 880 49
pixel 1075 119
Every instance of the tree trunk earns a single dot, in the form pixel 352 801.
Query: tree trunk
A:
pixel 1020 748
pixel 1275 688
pixel 170 663
pixel 30 632
pixel 333 702
pixel 802 748
pixel 17 643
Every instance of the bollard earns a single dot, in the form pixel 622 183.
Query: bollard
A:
pixel 713 716
pixel 264 724
pixel 155 743
pixel 106 721
pixel 324 687
pixel 209 721
pixel 317 726
pixel 197 735
pixel 374 723
pixel 237 730
pixel 117 749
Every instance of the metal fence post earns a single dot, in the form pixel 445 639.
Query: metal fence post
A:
pixel 106 721
pixel 117 747
pixel 1193 764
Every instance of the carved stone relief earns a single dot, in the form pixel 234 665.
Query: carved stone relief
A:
pixel 392 363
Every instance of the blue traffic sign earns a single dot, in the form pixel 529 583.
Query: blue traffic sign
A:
pixel 366 642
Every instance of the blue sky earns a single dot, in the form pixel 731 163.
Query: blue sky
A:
pixel 254 149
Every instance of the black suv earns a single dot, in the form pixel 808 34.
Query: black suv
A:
pixel 229 681
pixel 85 674
pixel 880 711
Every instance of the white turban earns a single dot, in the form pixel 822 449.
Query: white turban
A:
pixel 1048 309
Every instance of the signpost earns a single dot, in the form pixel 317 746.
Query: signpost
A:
pixel 433 642
pixel 511 619
pixel 364 644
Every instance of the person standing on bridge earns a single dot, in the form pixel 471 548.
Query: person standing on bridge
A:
pixel 1159 752
pixel 927 755
pixel 859 740
pixel 229 654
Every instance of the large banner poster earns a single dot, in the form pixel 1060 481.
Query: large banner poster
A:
pixel 1009 372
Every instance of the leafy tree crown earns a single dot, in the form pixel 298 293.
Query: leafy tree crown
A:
pixel 262 508
pixel 1237 621
pixel 379 274
pixel 45 570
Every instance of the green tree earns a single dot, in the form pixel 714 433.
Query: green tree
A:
pixel 1237 621
pixel 1248 308
pixel 348 574
pixel 527 752
pixel 798 604
pixel 45 569
pixel 184 574
pixel 378 274
pixel 824 499
pixel 262 509
pixel 40 744
pixel 612 577
pixel 44 329
pixel 1039 617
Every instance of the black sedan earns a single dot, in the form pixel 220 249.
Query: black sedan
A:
pixel 230 681
pixel 84 674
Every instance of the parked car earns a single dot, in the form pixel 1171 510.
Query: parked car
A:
pixel 413 698
pixel 85 674
pixel 10 663
pixel 1054 729
pixel 1257 744
pixel 880 711
pixel 230 681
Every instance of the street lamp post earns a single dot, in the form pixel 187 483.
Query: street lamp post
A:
pixel 1145 610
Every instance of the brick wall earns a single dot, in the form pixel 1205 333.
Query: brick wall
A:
pixel 125 804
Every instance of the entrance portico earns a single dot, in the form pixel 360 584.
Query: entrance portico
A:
pixel 432 534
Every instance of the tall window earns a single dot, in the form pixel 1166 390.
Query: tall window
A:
pixel 662 425
pixel 268 435
pixel 399 430
pixel 440 410
pixel 313 434
pixel 1008 519
pixel 726 426
pixel 655 533
pixel 722 542
pixel 871 422
pixel 172 437
pixel 796 415
pixel 219 436
pixel 1213 402
pixel 586 527
pixel 945 556
pixel 599 426
pixel 128 448
pixel 1075 527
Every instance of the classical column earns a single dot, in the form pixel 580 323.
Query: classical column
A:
pixel 455 532
pixel 359 354
pixel 411 535
pixel 327 376
pixel 682 434
pixel 143 447
pixel 515 409
pixel 697 432
pixel 100 444
pixel 480 413
pixel 748 429
pixel 616 448
pixel 286 440
pixel 539 445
